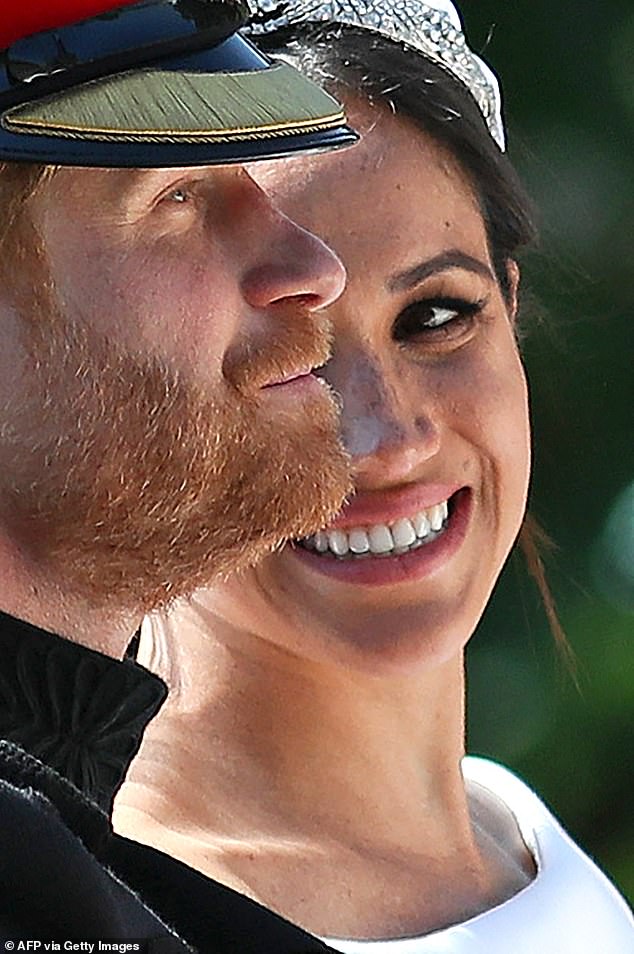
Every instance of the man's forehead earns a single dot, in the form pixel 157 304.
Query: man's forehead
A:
pixel 130 179
pixel 119 183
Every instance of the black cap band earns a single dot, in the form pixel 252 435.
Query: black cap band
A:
pixel 158 83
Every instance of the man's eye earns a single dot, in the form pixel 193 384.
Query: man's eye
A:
pixel 178 195
pixel 434 318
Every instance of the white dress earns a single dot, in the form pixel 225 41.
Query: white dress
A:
pixel 570 907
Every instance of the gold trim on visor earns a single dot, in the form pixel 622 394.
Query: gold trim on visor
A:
pixel 169 106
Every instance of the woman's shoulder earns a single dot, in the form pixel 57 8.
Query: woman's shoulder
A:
pixel 570 895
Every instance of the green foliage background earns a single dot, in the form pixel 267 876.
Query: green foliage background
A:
pixel 568 76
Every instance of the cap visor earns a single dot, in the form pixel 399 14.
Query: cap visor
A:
pixel 182 103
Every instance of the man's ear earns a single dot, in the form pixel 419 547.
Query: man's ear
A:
pixel 513 276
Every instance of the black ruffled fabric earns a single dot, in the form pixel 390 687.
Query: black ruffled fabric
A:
pixel 78 711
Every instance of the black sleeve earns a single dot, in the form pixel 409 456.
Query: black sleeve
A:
pixel 52 888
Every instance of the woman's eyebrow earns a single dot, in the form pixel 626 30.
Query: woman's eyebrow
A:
pixel 453 258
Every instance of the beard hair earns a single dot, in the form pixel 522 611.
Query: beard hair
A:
pixel 133 486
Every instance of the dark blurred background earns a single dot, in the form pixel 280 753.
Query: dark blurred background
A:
pixel 567 70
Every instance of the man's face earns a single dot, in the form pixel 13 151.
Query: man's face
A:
pixel 162 424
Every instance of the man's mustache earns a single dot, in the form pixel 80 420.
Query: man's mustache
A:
pixel 295 343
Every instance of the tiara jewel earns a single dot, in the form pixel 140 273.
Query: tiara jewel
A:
pixel 433 29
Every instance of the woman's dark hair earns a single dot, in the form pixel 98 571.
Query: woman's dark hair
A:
pixel 348 59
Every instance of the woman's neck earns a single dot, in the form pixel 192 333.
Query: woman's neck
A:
pixel 312 748
pixel 275 773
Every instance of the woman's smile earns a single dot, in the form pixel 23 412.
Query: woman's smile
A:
pixel 409 540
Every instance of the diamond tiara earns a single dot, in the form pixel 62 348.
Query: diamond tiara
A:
pixel 433 29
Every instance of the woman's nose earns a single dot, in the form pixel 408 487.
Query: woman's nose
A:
pixel 388 432
pixel 296 268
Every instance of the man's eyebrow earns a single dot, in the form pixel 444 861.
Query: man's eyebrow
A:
pixel 453 258
pixel 128 182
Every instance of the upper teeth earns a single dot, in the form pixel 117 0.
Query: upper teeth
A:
pixel 381 538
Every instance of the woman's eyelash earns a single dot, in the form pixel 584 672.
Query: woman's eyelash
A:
pixel 435 316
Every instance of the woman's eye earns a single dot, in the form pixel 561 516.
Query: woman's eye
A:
pixel 440 316
pixel 436 319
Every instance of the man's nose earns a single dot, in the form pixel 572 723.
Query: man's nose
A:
pixel 296 266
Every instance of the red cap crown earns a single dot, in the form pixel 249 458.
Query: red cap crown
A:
pixel 21 18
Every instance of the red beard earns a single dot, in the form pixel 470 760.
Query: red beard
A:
pixel 134 486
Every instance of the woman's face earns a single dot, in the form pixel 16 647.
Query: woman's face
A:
pixel 434 413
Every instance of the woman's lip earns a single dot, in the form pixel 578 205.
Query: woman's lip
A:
pixel 388 506
pixel 407 567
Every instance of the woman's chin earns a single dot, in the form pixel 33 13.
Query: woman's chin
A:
pixel 388 642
